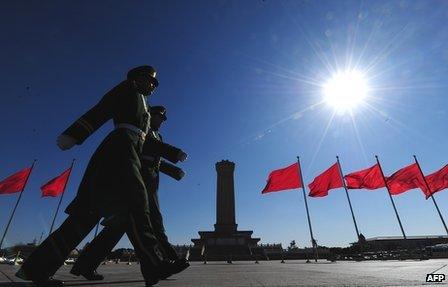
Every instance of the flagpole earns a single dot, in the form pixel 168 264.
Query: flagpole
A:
pixel 429 190
pixel 313 242
pixel 17 203
pixel 391 199
pixel 96 229
pixel 348 197
pixel 62 195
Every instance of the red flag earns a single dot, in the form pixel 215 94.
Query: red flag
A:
pixel 282 179
pixel 437 181
pixel 329 179
pixel 56 186
pixel 369 178
pixel 16 182
pixel 407 178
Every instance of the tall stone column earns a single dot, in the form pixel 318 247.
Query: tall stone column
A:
pixel 225 198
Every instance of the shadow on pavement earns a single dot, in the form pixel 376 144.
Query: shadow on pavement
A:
pixel 16 284
pixel 72 283
pixel 89 283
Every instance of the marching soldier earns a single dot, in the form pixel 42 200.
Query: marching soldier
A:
pixel 112 184
pixel 153 149
pixel 152 164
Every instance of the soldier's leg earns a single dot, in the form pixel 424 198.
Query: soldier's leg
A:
pixel 178 265
pixel 145 246
pixel 140 231
pixel 139 228
pixel 158 227
pixel 51 254
pixel 95 253
pixel 169 253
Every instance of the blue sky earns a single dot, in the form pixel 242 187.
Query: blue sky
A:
pixel 241 80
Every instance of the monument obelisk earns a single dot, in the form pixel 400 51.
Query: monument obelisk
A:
pixel 226 240
pixel 225 198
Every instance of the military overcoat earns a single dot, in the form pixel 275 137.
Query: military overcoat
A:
pixel 112 182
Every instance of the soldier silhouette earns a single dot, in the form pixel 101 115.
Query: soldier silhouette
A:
pixel 112 185
pixel 153 149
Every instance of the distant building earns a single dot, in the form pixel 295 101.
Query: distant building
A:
pixel 183 250
pixel 123 254
pixel 24 249
pixel 438 251
pixel 390 243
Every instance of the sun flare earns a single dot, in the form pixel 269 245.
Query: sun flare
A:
pixel 345 90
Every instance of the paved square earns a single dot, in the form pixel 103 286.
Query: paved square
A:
pixel 267 273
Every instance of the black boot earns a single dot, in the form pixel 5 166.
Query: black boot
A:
pixel 173 267
pixel 50 282
pixel 181 265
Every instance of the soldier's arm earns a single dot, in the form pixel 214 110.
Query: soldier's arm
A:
pixel 93 119
pixel 165 150
pixel 171 170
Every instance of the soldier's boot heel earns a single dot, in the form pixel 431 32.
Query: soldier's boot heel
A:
pixel 50 282
pixel 173 267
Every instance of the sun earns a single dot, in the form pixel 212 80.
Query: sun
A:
pixel 345 90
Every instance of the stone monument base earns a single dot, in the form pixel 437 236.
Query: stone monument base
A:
pixel 226 243
pixel 212 245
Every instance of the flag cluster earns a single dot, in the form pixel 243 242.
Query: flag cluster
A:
pixel 16 183
pixel 404 179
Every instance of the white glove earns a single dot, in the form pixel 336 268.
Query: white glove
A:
pixel 65 142
pixel 181 156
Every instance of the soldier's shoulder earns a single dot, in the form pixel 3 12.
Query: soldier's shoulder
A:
pixel 123 87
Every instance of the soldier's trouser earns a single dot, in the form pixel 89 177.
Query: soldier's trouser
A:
pixel 142 240
pixel 140 233
pixel 101 246
pixel 51 254
pixel 158 227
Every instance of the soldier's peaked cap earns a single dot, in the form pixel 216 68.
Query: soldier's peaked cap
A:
pixel 160 110
pixel 144 70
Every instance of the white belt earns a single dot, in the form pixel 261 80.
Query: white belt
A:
pixel 133 128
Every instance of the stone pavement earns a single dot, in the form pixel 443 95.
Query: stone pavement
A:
pixel 267 273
